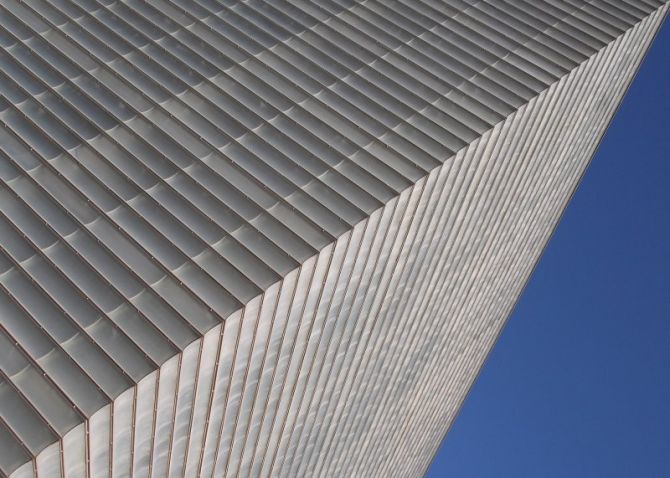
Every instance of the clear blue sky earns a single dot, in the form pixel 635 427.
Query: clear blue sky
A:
pixel 578 384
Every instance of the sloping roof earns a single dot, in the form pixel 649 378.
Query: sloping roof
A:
pixel 162 163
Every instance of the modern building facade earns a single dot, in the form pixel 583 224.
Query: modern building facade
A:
pixel 278 237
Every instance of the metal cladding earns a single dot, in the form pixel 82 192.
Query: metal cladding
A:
pixel 278 238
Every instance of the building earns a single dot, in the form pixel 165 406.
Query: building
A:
pixel 278 238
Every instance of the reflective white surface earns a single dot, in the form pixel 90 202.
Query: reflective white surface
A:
pixel 278 239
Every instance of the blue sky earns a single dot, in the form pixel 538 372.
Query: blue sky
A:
pixel 578 384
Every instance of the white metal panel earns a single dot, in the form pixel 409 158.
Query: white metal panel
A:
pixel 260 238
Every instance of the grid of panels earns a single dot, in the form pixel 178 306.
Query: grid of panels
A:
pixel 258 238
